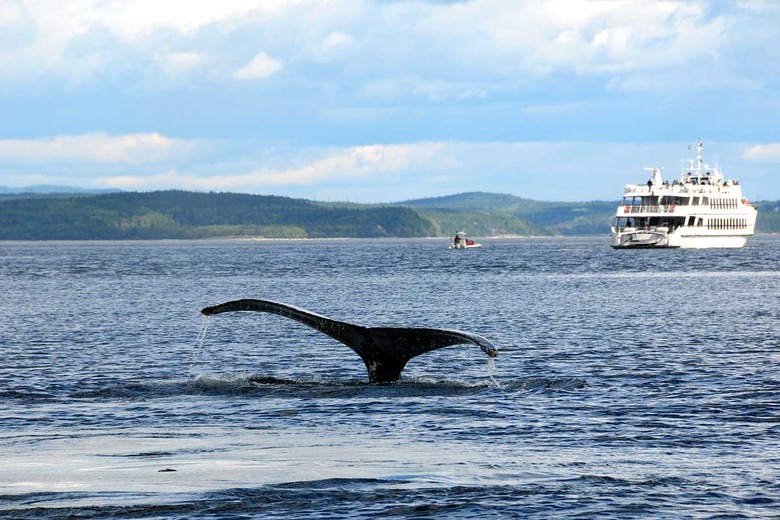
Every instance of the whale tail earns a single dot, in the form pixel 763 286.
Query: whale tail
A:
pixel 384 350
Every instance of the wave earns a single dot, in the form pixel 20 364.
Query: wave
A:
pixel 26 395
pixel 586 495
pixel 258 385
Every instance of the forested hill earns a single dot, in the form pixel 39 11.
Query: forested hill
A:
pixel 490 214
pixel 180 214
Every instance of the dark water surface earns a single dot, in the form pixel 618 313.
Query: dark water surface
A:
pixel 629 383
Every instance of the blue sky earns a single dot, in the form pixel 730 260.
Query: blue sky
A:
pixel 378 101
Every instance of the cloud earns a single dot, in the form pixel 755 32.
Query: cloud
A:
pixel 762 153
pixel 179 63
pixel 438 41
pixel 11 14
pixel 95 148
pixel 373 163
pixel 337 45
pixel 391 172
pixel 373 173
pixel 419 88
pixel 136 19
pixel 401 171
pixel 261 66
pixel 551 108
pixel 464 83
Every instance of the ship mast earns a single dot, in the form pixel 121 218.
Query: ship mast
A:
pixel 694 165
pixel 699 147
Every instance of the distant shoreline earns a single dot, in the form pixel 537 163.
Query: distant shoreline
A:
pixel 310 240
pixel 184 215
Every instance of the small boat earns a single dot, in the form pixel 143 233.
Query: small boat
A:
pixel 461 242
pixel 701 210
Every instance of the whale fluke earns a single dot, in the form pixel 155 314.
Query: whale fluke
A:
pixel 384 350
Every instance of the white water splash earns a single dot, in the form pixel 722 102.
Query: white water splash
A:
pixel 491 372
pixel 200 340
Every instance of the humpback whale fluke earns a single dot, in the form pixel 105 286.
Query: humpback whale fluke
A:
pixel 384 350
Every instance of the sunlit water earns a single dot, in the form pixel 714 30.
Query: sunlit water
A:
pixel 628 382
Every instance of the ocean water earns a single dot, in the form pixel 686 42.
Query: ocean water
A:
pixel 628 384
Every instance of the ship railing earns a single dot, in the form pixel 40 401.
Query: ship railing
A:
pixel 643 189
pixel 649 208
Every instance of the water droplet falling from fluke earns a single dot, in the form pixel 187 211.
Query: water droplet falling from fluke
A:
pixel 200 340
pixel 491 371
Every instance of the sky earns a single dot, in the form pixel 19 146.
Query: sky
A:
pixel 387 100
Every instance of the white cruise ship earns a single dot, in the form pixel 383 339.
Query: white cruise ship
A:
pixel 700 210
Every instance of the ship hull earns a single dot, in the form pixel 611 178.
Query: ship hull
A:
pixel 676 239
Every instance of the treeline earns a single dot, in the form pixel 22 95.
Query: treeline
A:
pixel 768 220
pixel 181 214
pixel 490 214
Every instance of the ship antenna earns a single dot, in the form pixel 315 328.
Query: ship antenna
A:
pixel 698 154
